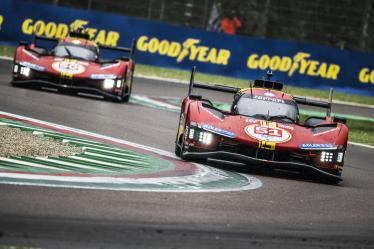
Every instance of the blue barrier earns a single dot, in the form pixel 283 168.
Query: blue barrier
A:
pixel 294 63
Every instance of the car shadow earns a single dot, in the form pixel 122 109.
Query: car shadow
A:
pixel 305 176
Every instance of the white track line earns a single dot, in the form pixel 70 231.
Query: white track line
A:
pixel 85 148
pixel 21 162
pixel 92 168
pixel 115 158
pixel 362 145
pixel 100 162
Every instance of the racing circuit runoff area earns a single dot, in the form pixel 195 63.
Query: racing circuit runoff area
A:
pixel 173 204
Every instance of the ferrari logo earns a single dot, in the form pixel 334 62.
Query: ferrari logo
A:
pixel 266 145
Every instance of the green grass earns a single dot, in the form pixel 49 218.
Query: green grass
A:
pixel 223 80
pixel 217 79
pixel 7 51
pixel 361 132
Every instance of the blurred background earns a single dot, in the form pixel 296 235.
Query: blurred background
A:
pixel 344 24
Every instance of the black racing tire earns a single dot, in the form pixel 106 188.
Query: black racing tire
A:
pixel 177 148
pixel 180 146
pixel 126 98
pixel 128 90
pixel 180 141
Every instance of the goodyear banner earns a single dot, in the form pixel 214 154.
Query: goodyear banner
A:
pixel 163 45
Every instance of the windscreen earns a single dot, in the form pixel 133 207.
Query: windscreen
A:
pixel 257 106
pixel 76 52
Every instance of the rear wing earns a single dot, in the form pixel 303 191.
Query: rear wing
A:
pixel 260 83
pixel 268 84
pixel 220 88
pixel 316 103
pixel 129 50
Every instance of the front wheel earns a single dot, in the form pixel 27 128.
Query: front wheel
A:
pixel 126 98
pixel 128 88
pixel 180 139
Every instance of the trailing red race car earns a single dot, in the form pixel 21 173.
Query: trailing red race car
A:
pixel 262 128
pixel 74 64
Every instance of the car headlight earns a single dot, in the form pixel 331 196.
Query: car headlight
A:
pixel 15 68
pixel 331 156
pixel 326 157
pixel 108 83
pixel 201 136
pixel 119 83
pixel 25 71
pixel 340 157
pixel 205 137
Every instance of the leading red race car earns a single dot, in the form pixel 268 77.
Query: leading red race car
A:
pixel 262 128
pixel 74 64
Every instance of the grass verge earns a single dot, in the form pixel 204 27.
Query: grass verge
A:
pixel 361 132
pixel 223 80
pixel 7 51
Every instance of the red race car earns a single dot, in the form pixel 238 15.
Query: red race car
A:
pixel 74 65
pixel 263 128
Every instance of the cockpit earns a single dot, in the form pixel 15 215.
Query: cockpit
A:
pixel 266 108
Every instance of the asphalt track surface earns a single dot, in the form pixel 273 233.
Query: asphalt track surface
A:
pixel 286 212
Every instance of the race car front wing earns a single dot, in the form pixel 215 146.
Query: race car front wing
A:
pixel 235 158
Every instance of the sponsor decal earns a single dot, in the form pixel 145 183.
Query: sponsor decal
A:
pixel 77 42
pixel 316 146
pixel 61 30
pixel 366 75
pixel 269 94
pixel 268 133
pixel 32 66
pixel 266 145
pixel 268 99
pixel 1 21
pixel 218 131
pixel 251 121
pixel 190 49
pixel 289 127
pixel 68 67
pixel 300 63
pixel 102 76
